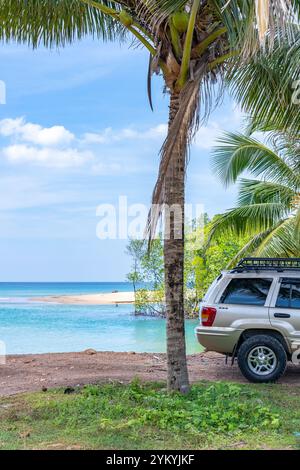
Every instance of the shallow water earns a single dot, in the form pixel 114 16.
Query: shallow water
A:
pixel 30 327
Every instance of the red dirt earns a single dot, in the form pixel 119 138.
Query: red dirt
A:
pixel 25 373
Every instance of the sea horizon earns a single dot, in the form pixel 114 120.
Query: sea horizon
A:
pixel 27 289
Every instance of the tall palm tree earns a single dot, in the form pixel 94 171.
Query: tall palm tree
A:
pixel 191 43
pixel 268 207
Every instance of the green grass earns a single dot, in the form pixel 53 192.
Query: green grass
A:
pixel 144 416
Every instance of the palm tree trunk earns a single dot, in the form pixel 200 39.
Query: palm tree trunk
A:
pixel 174 264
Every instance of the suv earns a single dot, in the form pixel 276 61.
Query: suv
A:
pixel 253 313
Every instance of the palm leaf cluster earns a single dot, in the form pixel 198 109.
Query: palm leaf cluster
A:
pixel 53 23
pixel 268 208
pixel 266 88
pixel 217 33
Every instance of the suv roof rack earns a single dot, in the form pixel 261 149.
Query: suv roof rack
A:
pixel 268 264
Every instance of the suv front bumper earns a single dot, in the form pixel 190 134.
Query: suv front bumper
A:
pixel 222 340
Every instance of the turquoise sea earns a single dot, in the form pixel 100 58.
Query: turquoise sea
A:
pixel 28 327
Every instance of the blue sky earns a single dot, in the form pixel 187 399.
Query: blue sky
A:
pixel 76 132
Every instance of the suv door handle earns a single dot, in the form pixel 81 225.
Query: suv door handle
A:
pixel 282 315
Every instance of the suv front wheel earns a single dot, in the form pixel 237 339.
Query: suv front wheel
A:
pixel 262 359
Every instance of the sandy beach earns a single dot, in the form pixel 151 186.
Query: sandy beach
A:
pixel 109 298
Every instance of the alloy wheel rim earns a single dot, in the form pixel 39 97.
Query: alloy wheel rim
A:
pixel 262 360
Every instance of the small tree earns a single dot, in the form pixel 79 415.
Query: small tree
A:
pixel 136 251
pixel 147 268
pixel 202 265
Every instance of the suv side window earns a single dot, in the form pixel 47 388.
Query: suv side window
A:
pixel 289 294
pixel 246 292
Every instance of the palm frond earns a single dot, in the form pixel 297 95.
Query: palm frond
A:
pixel 249 219
pixel 281 242
pixel 254 25
pixel 56 22
pixel 238 153
pixel 297 222
pixel 265 88
pixel 255 191
pixel 292 153
pixel 276 242
pixel 268 208
pixel 250 248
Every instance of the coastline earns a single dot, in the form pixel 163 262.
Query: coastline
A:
pixel 110 298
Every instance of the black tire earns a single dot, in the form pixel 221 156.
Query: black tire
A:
pixel 262 341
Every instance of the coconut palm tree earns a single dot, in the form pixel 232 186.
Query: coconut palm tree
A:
pixel 191 43
pixel 268 208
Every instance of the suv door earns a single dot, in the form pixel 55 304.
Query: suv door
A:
pixel 285 315
pixel 243 301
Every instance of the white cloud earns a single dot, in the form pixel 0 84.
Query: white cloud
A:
pixel 157 132
pixel 34 133
pixel 98 138
pixel 207 136
pixel 50 157
pixel 45 146
pixel 57 147
pixel 233 119
pixel 109 135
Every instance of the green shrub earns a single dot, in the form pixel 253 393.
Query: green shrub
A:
pixel 218 407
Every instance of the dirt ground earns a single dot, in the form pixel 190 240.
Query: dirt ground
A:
pixel 24 373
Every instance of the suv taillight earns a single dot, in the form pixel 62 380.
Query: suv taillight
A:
pixel 208 315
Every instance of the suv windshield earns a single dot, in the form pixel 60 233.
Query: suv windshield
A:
pixel 289 294
pixel 246 291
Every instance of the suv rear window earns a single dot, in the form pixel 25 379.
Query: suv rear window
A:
pixel 246 291
pixel 289 294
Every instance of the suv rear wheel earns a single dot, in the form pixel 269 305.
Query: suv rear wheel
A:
pixel 262 359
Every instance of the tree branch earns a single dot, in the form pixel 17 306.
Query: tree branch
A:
pixel 115 14
pixel 203 45
pixel 188 46
pixel 106 10
pixel 143 40
pixel 222 59
pixel 175 40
